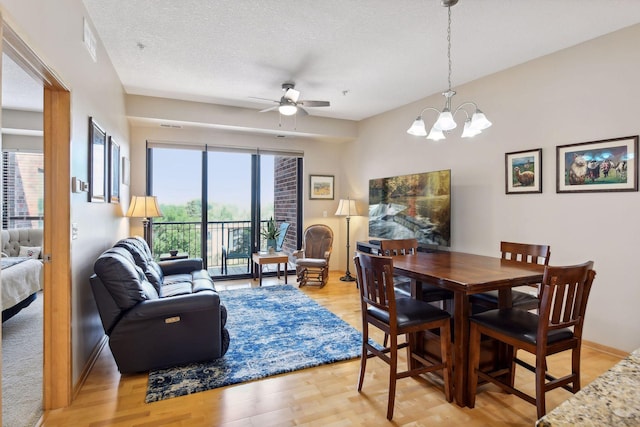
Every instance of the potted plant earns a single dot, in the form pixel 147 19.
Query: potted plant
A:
pixel 271 233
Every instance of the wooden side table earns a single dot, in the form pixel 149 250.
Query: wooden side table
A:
pixel 261 258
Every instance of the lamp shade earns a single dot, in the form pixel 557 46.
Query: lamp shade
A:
pixel 144 207
pixel 347 207
pixel 469 131
pixel 417 128
pixel 479 121
pixel 445 121
pixel 435 134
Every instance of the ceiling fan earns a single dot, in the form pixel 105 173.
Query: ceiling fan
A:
pixel 290 103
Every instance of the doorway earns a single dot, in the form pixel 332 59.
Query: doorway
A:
pixel 56 246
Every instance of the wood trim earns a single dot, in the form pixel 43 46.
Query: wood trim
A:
pixel 57 243
pixel 604 349
pixel 93 358
pixel 57 362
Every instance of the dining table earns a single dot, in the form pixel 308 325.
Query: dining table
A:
pixel 464 274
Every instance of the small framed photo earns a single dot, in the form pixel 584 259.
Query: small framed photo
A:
pixel 597 166
pixel 321 187
pixel 523 172
pixel 114 171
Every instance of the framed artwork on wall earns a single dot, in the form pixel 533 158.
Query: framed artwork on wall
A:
pixel 597 166
pixel 114 171
pixel 97 162
pixel 321 187
pixel 523 172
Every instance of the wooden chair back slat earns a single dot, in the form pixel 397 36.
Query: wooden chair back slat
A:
pixel 565 291
pixel 397 247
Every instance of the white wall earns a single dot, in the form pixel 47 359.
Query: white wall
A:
pixel 585 93
pixel 54 30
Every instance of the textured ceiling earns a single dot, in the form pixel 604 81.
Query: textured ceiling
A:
pixel 365 56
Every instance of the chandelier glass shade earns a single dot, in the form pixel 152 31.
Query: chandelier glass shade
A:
pixel 474 123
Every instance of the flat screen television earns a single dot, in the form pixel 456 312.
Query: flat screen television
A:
pixel 408 206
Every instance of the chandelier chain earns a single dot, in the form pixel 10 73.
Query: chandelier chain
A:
pixel 449 44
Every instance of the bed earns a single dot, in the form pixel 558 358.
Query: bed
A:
pixel 21 263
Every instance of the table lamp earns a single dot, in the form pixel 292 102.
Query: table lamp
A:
pixel 144 207
pixel 347 207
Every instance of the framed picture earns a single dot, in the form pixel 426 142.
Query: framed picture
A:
pixel 606 165
pixel 97 162
pixel 523 172
pixel 114 171
pixel 321 187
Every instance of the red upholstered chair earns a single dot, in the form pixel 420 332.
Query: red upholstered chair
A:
pixel 556 328
pixel 394 317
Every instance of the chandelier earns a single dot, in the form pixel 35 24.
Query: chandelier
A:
pixel 473 124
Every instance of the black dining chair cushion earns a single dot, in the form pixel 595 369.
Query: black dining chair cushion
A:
pixel 518 324
pixel 410 312
pixel 518 298
pixel 430 293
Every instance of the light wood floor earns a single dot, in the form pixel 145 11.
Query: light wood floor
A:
pixel 322 396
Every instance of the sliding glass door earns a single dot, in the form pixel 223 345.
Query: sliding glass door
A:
pixel 230 182
pixel 241 190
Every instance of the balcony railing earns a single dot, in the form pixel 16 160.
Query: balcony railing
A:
pixel 186 237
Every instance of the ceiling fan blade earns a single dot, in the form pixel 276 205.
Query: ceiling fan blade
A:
pixel 264 99
pixel 269 109
pixel 292 94
pixel 302 112
pixel 315 103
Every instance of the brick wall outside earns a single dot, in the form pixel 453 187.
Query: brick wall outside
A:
pixel 23 189
pixel 285 198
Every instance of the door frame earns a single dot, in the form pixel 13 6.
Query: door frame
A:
pixel 57 362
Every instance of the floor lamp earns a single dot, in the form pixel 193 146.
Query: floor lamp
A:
pixel 347 207
pixel 144 207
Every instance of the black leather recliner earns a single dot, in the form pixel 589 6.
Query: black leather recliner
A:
pixel 157 314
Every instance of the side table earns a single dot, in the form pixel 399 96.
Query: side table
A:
pixel 261 258
pixel 179 255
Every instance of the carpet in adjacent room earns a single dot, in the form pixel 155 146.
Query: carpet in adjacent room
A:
pixel 274 329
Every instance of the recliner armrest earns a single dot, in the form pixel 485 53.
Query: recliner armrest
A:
pixel 181 266
pixel 174 306
pixel 298 254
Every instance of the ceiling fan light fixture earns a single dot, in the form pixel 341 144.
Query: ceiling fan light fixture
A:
pixel 287 109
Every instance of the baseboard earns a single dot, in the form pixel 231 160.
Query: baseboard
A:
pixel 89 365
pixel 604 349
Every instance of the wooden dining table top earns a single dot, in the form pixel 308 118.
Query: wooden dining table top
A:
pixel 468 273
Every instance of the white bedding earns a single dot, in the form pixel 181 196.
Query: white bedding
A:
pixel 19 281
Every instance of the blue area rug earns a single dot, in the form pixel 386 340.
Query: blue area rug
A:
pixel 274 329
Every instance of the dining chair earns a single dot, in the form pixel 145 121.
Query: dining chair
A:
pixel 556 328
pixel 398 316
pixel 521 253
pixel 430 293
pixel 312 260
